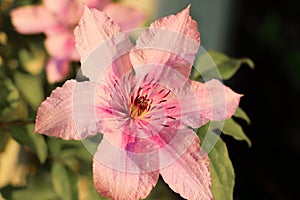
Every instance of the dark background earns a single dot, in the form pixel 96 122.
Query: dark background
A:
pixel 268 32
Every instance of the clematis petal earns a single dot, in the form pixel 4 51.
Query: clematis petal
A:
pixel 125 16
pixel 68 113
pixel 101 40
pixel 172 41
pixel 120 184
pixel 93 29
pixel 61 45
pixel 190 174
pixel 57 69
pixel 215 100
pixel 33 19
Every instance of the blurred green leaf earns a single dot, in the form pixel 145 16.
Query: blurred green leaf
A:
pixel 4 137
pixel 11 104
pixel 235 130
pixel 62 182
pixel 25 135
pixel 240 113
pixel 221 169
pixel 229 66
pixel 162 192
pixel 30 87
pixel 33 61
pixel 34 194
pixel 71 153
pixel 38 188
pixel 68 158
pixel 83 154
pixel 18 113
pixel 54 145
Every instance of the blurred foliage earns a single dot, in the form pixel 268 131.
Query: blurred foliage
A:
pixel 58 169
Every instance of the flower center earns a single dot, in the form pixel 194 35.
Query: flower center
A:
pixel 139 106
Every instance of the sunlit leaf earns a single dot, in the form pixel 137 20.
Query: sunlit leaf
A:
pixel 235 130
pixel 33 61
pixel 12 171
pixel 229 66
pixel 221 169
pixel 25 135
pixel 240 113
pixel 30 87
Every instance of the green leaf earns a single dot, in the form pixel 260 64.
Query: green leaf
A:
pixel 34 194
pixel 61 181
pixel 32 60
pixel 162 192
pixel 229 66
pixel 240 113
pixel 12 106
pixel 4 137
pixel 30 87
pixel 25 135
pixel 38 187
pixel 235 130
pixel 54 145
pixel 221 170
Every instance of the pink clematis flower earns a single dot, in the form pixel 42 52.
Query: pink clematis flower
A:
pixel 58 18
pixel 142 100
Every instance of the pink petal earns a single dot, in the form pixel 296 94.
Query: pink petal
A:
pixel 171 41
pixel 61 6
pixel 101 41
pixel 57 70
pixel 93 29
pixel 190 174
pixel 66 12
pixel 125 16
pixel 61 45
pixel 69 112
pixel 118 184
pixel 33 19
pixel 180 104
pixel 97 4
pixel 215 101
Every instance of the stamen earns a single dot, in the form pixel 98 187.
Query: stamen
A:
pixel 153 107
pixel 161 91
pixel 139 90
pixel 145 77
pixel 151 80
pixel 171 107
pixel 171 117
pixel 167 94
pixel 164 100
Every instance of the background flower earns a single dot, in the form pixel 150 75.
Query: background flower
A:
pixel 57 19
